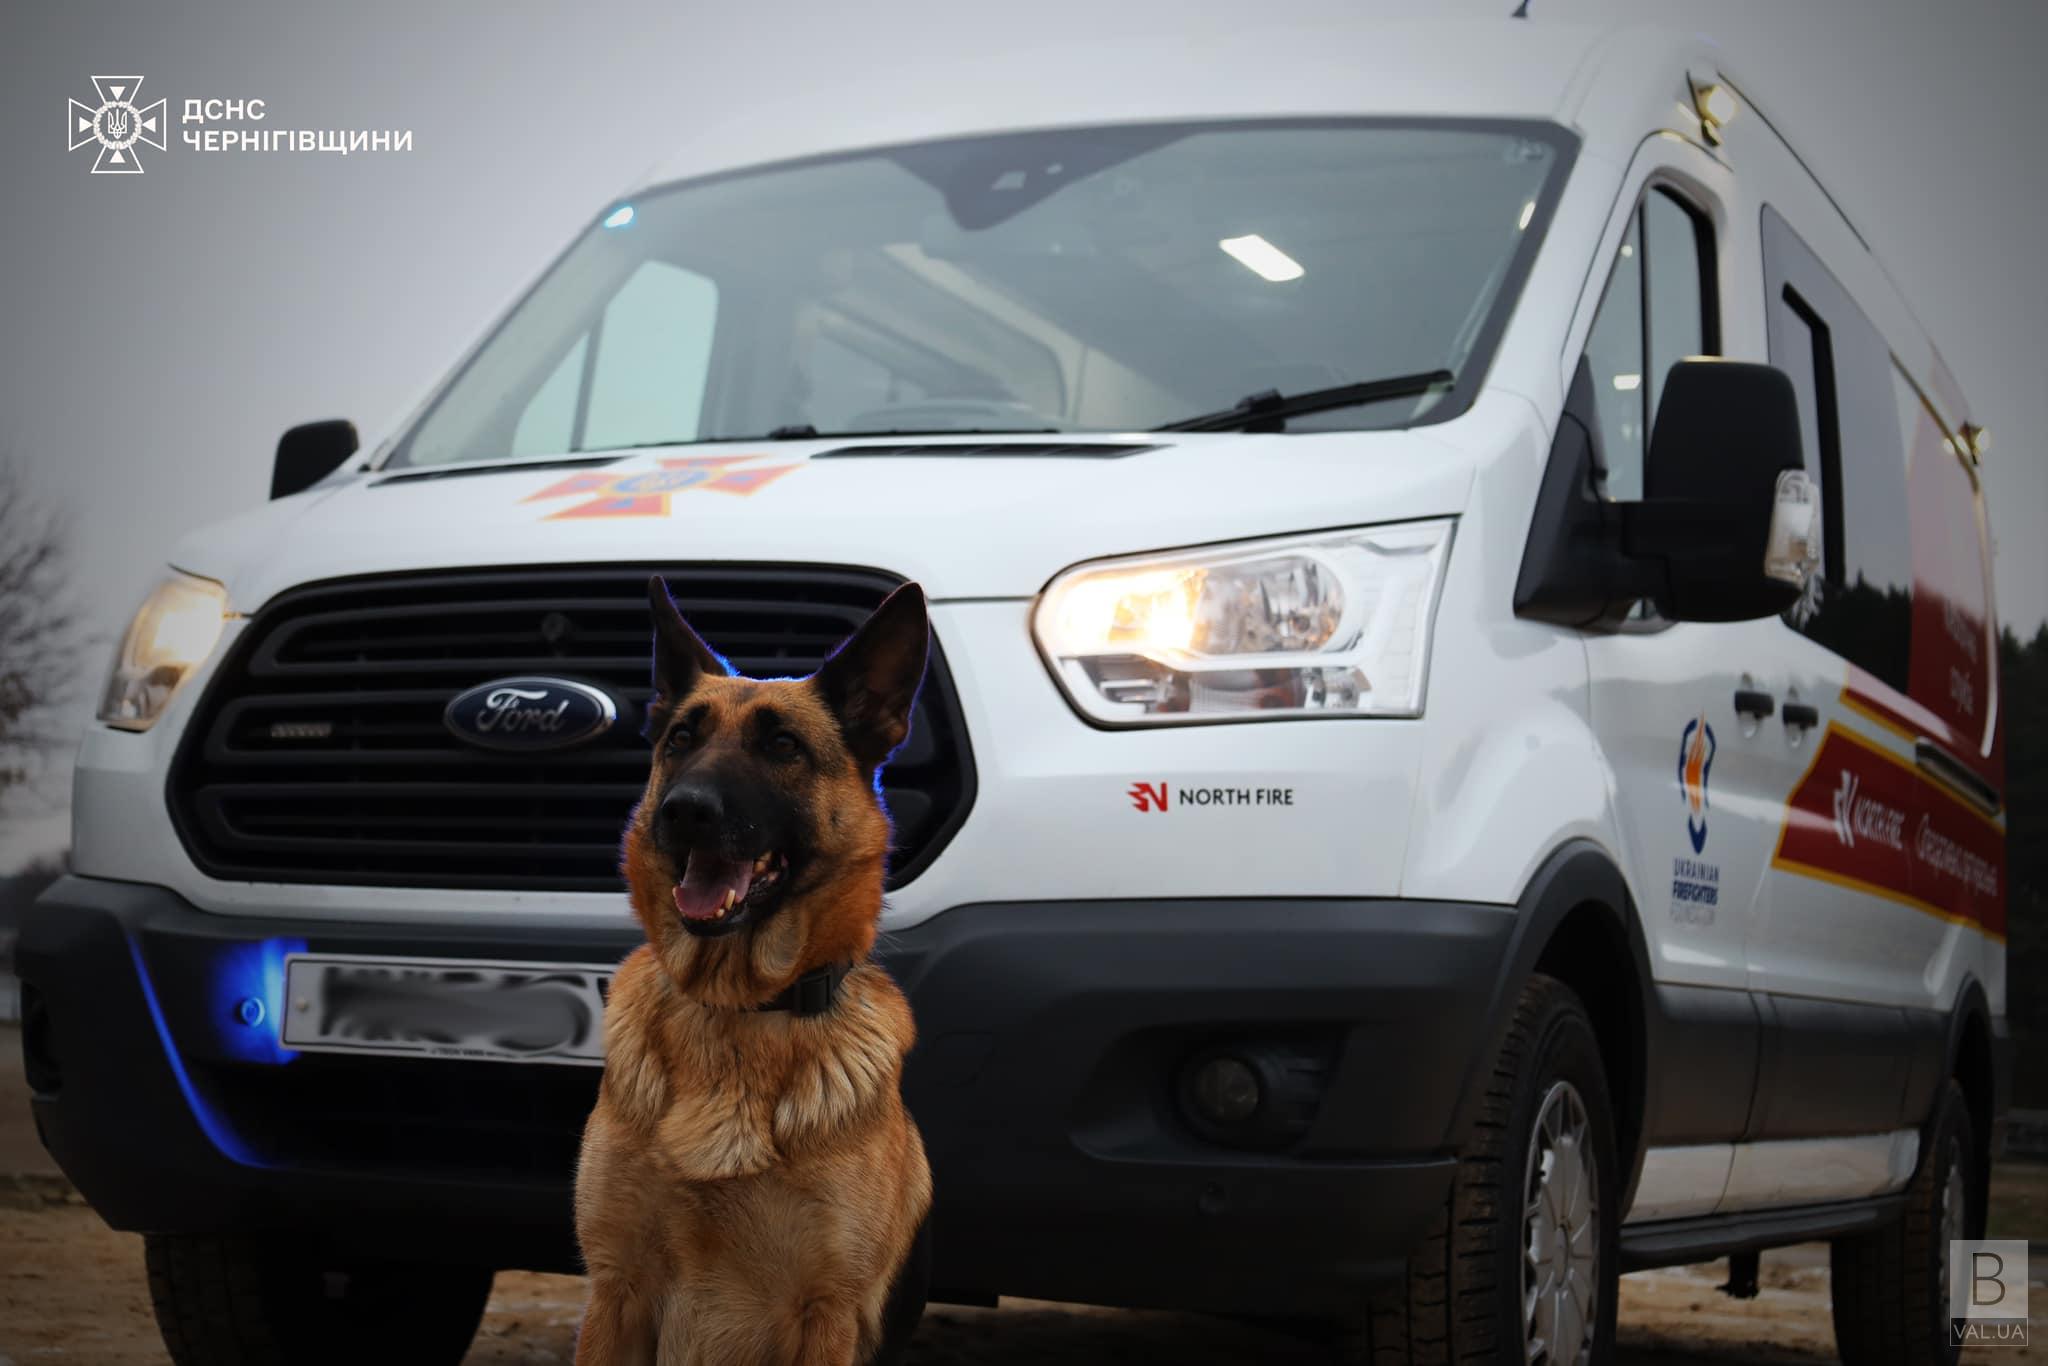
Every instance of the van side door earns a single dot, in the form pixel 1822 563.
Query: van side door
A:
pixel 1886 872
pixel 1692 799
pixel 1883 879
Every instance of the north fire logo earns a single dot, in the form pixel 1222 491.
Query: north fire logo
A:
pixel 119 125
pixel 1695 762
pixel 1147 796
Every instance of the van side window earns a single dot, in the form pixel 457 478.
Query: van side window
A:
pixel 1861 604
pixel 1956 654
pixel 1658 309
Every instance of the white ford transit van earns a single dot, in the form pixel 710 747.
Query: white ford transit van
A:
pixel 1462 753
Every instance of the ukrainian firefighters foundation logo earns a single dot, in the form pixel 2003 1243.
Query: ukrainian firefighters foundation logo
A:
pixel 1695 762
pixel 645 493
pixel 119 125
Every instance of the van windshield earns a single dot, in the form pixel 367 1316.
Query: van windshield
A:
pixel 1097 279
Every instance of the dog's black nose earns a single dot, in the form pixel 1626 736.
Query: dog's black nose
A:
pixel 692 815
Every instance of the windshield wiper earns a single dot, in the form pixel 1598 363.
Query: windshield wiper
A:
pixel 806 432
pixel 1269 409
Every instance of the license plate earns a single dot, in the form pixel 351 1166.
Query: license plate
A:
pixel 446 1008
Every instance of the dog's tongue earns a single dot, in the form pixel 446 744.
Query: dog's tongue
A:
pixel 706 880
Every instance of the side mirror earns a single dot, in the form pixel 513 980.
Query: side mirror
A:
pixel 309 453
pixel 1727 506
pixel 1727 529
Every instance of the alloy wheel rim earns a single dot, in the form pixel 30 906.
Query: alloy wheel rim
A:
pixel 1560 1233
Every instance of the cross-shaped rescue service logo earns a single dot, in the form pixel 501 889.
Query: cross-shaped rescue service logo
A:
pixel 645 493
pixel 117 125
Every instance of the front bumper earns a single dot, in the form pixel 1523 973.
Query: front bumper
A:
pixel 1050 1035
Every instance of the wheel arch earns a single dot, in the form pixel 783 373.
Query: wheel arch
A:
pixel 1576 922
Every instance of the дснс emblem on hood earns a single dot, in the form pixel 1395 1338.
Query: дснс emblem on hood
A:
pixel 645 492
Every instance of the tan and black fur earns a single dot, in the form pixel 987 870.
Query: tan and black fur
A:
pixel 751 1189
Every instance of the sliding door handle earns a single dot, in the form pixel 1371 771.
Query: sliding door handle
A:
pixel 1752 703
pixel 1958 777
pixel 1800 714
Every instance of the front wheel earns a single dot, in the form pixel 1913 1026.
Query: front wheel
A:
pixel 237 1302
pixel 1891 1287
pixel 1523 1265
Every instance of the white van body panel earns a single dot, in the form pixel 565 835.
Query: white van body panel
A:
pixel 1511 770
pixel 1010 523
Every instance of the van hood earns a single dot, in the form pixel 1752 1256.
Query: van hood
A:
pixel 968 517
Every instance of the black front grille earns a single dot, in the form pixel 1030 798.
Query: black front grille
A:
pixel 319 754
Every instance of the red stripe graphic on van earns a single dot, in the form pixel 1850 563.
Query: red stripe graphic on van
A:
pixel 1862 817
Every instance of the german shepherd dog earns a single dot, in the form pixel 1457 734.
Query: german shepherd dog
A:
pixel 752 1190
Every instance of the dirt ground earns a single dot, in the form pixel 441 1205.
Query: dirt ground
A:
pixel 71 1291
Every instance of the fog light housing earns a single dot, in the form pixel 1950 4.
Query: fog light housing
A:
pixel 1259 1093
pixel 1225 1090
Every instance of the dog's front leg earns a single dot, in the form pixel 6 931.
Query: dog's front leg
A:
pixel 828 1333
pixel 618 1327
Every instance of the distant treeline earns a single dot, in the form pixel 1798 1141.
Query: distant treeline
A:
pixel 2023 692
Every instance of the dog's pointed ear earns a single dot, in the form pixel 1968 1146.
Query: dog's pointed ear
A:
pixel 680 654
pixel 872 679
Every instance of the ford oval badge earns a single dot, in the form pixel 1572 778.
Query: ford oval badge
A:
pixel 530 714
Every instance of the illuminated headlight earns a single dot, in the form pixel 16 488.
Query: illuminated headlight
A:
pixel 1334 624
pixel 171 635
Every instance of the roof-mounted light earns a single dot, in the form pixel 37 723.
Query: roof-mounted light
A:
pixel 1714 102
pixel 1974 440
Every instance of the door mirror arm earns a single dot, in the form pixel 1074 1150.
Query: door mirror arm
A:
pixel 1576 570
pixel 309 453
pixel 1725 531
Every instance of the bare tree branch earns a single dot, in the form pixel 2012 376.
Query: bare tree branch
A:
pixel 39 630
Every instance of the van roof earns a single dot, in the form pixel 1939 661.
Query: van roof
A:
pixel 1499 68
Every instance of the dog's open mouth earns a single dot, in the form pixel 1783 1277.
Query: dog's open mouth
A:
pixel 718 895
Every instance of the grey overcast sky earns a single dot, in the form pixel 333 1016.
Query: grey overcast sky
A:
pixel 158 332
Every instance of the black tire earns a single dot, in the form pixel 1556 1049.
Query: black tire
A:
pixel 1461 1299
pixel 1891 1286
pixel 241 1302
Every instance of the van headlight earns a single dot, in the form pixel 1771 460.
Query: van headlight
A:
pixel 172 634
pixel 1330 624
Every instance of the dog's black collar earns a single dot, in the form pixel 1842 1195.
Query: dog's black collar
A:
pixel 811 994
